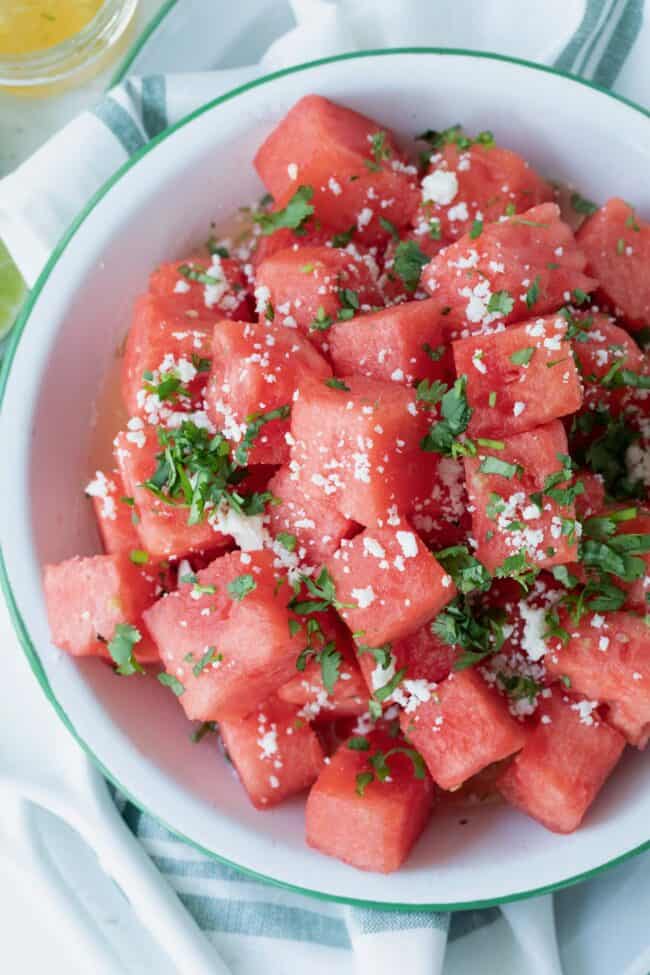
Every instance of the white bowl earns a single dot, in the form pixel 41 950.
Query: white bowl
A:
pixel 155 208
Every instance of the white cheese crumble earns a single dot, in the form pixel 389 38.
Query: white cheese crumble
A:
pixel 439 186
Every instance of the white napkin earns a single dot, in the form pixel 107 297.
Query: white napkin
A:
pixel 604 39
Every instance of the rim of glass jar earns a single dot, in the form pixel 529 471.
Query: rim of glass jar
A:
pixel 62 60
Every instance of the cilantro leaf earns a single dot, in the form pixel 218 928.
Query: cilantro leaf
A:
pixel 349 300
pixel 408 263
pixel 343 239
pixel 209 657
pixel 523 356
pixel 495 465
pixel 321 322
pixel 173 683
pixel 456 414
pixel 121 647
pixel 582 205
pixel 335 383
pixel 292 216
pixel 467 572
pixel 533 292
pixel 501 303
pixel 241 586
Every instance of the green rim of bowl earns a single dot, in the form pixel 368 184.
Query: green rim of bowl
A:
pixel 19 328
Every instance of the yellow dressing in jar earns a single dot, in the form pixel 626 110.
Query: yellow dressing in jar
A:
pixel 27 26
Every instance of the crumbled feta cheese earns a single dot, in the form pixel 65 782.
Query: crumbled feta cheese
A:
pixel 439 186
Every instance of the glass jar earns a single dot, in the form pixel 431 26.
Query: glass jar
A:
pixel 71 60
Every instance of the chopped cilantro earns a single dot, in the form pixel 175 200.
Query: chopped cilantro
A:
pixel 205 728
pixel 408 263
pixel 478 633
pixel 193 273
pixel 121 647
pixel 349 304
pixel 501 303
pixel 194 470
pixel 456 414
pixel 200 364
pixel 323 593
pixel 381 769
pixel 435 231
pixel 523 356
pixel 476 229
pixel 390 228
pixel 343 239
pixel 209 657
pixel 430 391
pixel 519 686
pixel 358 743
pixel 287 540
pixel 533 292
pixel 241 586
pixel 434 354
pixel 292 216
pixel 325 653
pixel 173 683
pixel 495 465
pixel 631 222
pixel 321 322
pixel 518 568
pixel 467 572
pixel 620 246
pixel 582 205
pixel 138 556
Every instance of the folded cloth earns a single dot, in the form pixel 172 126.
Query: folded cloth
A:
pixel 256 926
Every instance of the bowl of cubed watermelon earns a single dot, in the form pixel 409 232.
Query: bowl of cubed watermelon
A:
pixel 325 522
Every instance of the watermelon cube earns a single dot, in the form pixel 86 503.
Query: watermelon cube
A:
pixel 403 343
pixel 162 527
pixel 310 288
pixel 606 660
pixel 87 598
pixel 616 243
pixel 474 185
pixel 387 583
pixel 275 752
pixel 377 829
pixel 209 287
pixel 226 637
pixel 506 521
pixel 563 764
pixel 601 344
pixel 313 522
pixel 463 727
pixel 422 656
pixel 164 344
pixel 114 514
pixel 518 379
pixel 353 443
pixel 307 691
pixel 256 368
pixel 351 163
pixel 523 265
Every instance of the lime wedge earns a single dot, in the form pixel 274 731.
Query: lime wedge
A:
pixel 12 291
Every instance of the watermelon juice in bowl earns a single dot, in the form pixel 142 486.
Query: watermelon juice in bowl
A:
pixel 373 521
